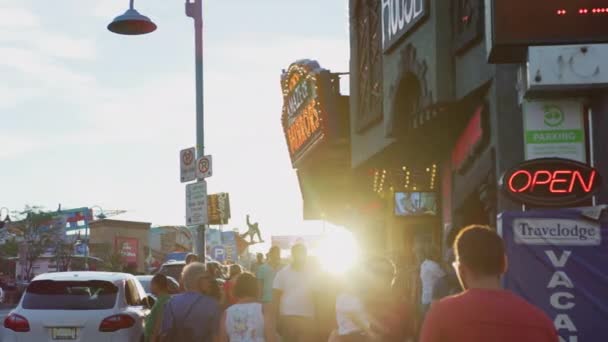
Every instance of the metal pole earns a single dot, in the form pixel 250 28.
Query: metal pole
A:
pixel 591 150
pixel 194 10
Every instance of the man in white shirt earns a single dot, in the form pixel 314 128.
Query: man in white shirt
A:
pixel 293 299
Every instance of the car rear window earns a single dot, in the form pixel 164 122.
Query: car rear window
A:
pixel 174 271
pixel 146 283
pixel 70 295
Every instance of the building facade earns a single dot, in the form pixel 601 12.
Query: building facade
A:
pixel 128 239
pixel 435 125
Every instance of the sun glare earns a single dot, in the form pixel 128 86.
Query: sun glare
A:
pixel 338 251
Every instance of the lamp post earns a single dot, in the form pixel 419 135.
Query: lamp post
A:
pixel 133 23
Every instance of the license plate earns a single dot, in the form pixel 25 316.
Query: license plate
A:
pixel 64 333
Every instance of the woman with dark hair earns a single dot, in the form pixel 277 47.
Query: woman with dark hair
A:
pixel 390 316
pixel 245 321
pixel 230 299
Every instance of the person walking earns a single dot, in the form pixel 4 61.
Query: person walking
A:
pixel 430 273
pixel 447 285
pixel 390 316
pixel 190 258
pixel 266 274
pixel 229 298
pixel 193 315
pixel 259 261
pixel 352 318
pixel 293 301
pixel 160 289
pixel 246 321
pixel 484 311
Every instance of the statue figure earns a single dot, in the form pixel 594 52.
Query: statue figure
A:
pixel 252 231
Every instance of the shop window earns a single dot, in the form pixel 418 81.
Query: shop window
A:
pixel 367 23
pixel 468 23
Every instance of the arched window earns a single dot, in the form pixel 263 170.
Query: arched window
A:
pixel 367 27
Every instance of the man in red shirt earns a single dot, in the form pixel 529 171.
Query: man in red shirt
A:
pixel 484 311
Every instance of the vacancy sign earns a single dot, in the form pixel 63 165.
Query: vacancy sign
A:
pixel 554 129
pixel 196 204
pixel 187 164
pixel 203 167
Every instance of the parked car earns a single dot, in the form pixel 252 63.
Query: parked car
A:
pixel 79 306
pixel 172 268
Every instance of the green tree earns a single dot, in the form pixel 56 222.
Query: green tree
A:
pixel 9 249
pixel 39 234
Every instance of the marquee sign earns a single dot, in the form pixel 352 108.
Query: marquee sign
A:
pixel 551 182
pixel 304 107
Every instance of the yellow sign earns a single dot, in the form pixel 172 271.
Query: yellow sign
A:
pixel 302 111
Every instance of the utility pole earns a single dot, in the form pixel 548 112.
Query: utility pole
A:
pixel 194 10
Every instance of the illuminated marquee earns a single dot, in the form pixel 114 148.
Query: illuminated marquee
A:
pixel 551 182
pixel 303 112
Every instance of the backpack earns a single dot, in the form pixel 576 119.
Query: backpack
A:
pixel 177 332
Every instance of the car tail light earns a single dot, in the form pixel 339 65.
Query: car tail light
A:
pixel 16 323
pixel 116 322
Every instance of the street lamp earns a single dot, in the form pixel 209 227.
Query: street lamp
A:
pixel 133 23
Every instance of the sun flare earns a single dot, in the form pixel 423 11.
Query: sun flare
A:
pixel 338 251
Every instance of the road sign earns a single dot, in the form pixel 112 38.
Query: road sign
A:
pixel 203 167
pixel 187 165
pixel 196 204
pixel 218 253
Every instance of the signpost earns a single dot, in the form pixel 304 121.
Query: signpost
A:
pixel 554 129
pixel 196 204
pixel 204 167
pixel 187 166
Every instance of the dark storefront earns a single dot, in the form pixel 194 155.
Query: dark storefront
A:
pixel 436 115
pixel 424 97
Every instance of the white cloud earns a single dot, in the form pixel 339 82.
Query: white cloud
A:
pixel 17 18
pixel 37 70
pixel 12 145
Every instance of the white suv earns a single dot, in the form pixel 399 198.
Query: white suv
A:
pixel 79 306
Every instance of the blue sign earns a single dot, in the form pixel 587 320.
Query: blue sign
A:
pixel 557 261
pixel 229 242
pixel 218 253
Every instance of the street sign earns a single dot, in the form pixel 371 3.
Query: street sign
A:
pixel 219 253
pixel 187 166
pixel 203 167
pixel 196 204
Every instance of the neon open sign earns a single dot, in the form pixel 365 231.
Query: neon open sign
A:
pixel 551 182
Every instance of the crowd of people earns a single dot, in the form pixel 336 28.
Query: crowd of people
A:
pixel 298 302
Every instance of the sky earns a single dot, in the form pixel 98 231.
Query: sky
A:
pixel 89 118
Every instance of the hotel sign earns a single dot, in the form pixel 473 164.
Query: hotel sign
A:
pixel 399 17
pixel 303 106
